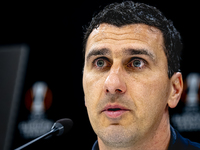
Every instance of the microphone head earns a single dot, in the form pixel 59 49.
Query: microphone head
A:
pixel 63 126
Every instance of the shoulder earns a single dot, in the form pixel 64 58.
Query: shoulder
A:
pixel 193 145
pixel 184 143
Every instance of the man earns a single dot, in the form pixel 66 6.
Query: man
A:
pixel 131 77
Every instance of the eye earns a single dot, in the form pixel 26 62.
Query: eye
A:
pixel 101 63
pixel 137 63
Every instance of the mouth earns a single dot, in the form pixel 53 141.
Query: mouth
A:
pixel 114 111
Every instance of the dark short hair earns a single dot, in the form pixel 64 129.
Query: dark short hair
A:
pixel 128 12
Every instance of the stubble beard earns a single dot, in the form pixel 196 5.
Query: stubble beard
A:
pixel 117 136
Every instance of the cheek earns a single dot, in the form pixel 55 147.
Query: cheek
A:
pixel 92 86
pixel 150 96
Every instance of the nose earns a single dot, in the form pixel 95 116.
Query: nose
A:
pixel 114 83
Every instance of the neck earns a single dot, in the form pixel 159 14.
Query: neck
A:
pixel 158 140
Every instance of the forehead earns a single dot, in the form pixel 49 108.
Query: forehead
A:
pixel 132 35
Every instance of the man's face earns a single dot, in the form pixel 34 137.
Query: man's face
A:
pixel 125 82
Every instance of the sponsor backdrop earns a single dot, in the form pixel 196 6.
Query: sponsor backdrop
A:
pixel 52 86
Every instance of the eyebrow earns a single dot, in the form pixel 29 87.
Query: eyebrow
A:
pixel 95 52
pixel 139 52
pixel 105 51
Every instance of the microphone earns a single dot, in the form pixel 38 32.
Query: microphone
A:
pixel 60 127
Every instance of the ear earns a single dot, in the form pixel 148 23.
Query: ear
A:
pixel 176 89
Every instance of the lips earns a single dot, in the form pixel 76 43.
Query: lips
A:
pixel 114 111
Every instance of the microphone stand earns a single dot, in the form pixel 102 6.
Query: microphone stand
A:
pixel 39 138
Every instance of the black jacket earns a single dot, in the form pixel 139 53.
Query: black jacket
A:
pixel 177 142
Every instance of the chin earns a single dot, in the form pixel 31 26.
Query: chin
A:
pixel 117 136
